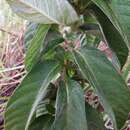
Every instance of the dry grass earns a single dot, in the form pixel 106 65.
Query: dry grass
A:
pixel 11 66
pixel 11 54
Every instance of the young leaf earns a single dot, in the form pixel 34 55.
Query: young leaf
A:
pixel 70 107
pixel 108 83
pixel 45 11
pixel 22 104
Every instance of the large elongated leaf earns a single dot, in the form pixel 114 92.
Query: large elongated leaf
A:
pixel 118 13
pixel 19 109
pixel 45 11
pixel 70 109
pixel 112 36
pixel 33 52
pixel 109 85
pixel 94 119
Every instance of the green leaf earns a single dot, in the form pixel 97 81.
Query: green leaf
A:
pixel 34 50
pixel 25 99
pixel 112 36
pixel 108 83
pixel 42 123
pixel 52 41
pixel 70 107
pixel 45 11
pixel 51 45
pixel 118 13
pixel 94 119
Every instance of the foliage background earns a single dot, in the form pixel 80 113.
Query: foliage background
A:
pixel 12 54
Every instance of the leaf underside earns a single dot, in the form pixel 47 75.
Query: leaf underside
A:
pixel 45 11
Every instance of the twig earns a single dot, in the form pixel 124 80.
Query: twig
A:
pixel 10 33
pixel 10 69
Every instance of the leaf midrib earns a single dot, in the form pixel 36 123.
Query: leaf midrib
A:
pixel 95 85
